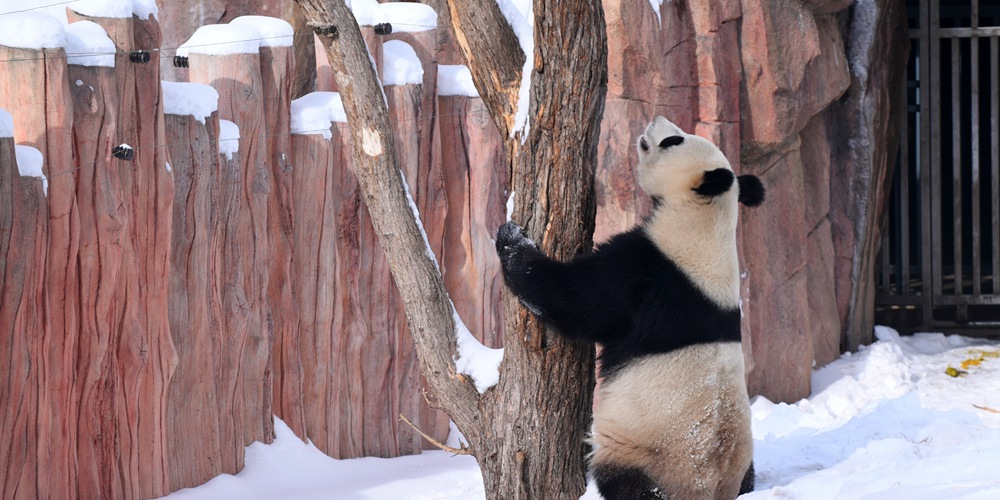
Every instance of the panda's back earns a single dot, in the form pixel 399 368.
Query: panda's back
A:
pixel 669 311
pixel 673 400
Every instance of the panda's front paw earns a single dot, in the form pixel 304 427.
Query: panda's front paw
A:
pixel 511 239
pixel 510 236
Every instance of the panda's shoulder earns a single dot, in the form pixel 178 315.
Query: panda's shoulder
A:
pixel 632 244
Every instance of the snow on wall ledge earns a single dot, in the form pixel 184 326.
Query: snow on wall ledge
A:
pixel 402 66
pixel 29 164
pixel 195 99
pixel 88 44
pixel 455 79
pixel 243 35
pixel 116 8
pixel 316 112
pixel 31 30
pixel 271 31
pixel 409 17
pixel 229 138
pixel 6 124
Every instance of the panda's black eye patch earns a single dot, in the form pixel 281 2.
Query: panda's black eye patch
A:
pixel 671 141
pixel 643 144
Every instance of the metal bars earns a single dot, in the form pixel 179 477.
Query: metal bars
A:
pixel 941 252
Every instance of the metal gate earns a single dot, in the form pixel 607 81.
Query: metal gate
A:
pixel 939 266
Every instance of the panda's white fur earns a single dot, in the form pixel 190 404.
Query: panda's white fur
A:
pixel 700 239
pixel 682 417
pixel 672 416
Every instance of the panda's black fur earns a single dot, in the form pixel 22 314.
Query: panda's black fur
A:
pixel 671 362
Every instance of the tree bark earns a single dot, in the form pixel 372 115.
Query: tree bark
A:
pixel 528 432
pixel 493 55
pixel 552 177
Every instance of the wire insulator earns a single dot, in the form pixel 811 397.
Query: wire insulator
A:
pixel 180 62
pixel 139 56
pixel 123 152
pixel 383 29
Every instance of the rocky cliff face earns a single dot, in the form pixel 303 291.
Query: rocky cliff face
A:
pixel 772 84
pixel 155 313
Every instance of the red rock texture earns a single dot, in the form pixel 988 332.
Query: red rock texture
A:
pixel 23 244
pixel 759 79
pixel 243 247
pixel 196 430
pixel 47 353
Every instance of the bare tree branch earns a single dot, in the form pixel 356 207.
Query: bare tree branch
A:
pixel 493 54
pixel 419 282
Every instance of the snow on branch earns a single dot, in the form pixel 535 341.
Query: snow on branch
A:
pixel 474 359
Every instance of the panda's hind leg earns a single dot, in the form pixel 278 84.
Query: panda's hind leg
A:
pixel 625 483
pixel 748 480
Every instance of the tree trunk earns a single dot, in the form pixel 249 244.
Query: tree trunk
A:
pixel 528 432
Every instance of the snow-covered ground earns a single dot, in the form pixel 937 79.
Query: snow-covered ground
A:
pixel 887 422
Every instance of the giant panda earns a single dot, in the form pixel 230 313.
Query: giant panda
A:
pixel 672 418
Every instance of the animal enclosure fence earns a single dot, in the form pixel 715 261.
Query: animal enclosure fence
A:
pixel 940 259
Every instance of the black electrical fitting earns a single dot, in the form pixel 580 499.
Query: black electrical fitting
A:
pixel 139 56
pixel 383 29
pixel 180 62
pixel 123 152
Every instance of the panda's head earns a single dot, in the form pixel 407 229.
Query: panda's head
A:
pixel 695 211
pixel 675 167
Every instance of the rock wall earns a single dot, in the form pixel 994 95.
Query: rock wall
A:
pixel 772 84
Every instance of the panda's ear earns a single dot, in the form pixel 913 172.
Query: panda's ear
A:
pixel 751 190
pixel 716 182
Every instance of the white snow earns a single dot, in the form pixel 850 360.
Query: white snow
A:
pixel 410 17
pixel 6 124
pixel 475 359
pixel 145 8
pixel 368 12
pixel 888 422
pixel 510 206
pixel 196 99
pixel 520 16
pixel 656 4
pixel 222 39
pixel 229 138
pixel 54 8
pixel 88 44
pixel 94 8
pixel 115 8
pixel 401 65
pixel 31 30
pixel 316 112
pixel 883 423
pixel 455 79
pixel 29 164
pixel 271 31
pixel 291 469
